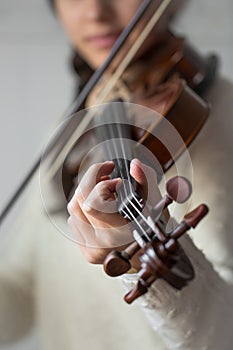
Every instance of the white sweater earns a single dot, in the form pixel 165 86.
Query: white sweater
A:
pixel 44 277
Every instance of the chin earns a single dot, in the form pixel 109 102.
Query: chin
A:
pixel 96 61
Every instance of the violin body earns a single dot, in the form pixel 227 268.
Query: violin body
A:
pixel 168 79
pixel 184 110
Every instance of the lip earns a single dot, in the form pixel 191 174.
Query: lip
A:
pixel 103 41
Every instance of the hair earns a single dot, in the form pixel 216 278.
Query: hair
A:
pixel 51 4
pixel 81 68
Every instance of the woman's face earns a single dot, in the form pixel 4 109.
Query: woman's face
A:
pixel 94 25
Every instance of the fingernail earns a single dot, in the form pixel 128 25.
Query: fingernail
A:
pixel 118 183
pixel 136 161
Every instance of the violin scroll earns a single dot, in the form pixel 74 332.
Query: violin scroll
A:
pixel 167 260
pixel 161 258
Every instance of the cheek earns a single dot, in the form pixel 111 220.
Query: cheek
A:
pixel 70 21
pixel 127 10
pixel 74 32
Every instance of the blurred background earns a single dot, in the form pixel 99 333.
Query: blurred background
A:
pixel 37 84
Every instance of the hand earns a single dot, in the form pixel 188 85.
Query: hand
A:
pixel 94 219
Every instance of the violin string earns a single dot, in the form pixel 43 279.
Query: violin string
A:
pixel 80 129
pixel 135 220
pixel 123 148
pixel 119 127
pixel 116 156
pixel 115 116
pixel 130 201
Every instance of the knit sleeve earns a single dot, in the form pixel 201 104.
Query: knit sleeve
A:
pixel 16 281
pixel 197 317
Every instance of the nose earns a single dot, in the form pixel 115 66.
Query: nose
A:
pixel 99 10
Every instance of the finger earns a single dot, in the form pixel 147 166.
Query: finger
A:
pixel 81 227
pixel 138 172
pixel 147 179
pixel 105 177
pixel 105 189
pixel 75 210
pixel 93 254
pixel 102 205
pixel 93 175
pixel 94 226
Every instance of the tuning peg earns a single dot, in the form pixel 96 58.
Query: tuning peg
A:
pixel 196 215
pixel 178 189
pixel 140 289
pixel 157 261
pixel 117 263
pixel 190 220
pixel 154 260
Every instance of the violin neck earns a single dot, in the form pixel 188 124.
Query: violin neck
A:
pixel 116 136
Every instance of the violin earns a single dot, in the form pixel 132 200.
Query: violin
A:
pixel 168 84
pixel 162 256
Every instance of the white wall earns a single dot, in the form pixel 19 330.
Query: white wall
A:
pixel 36 85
